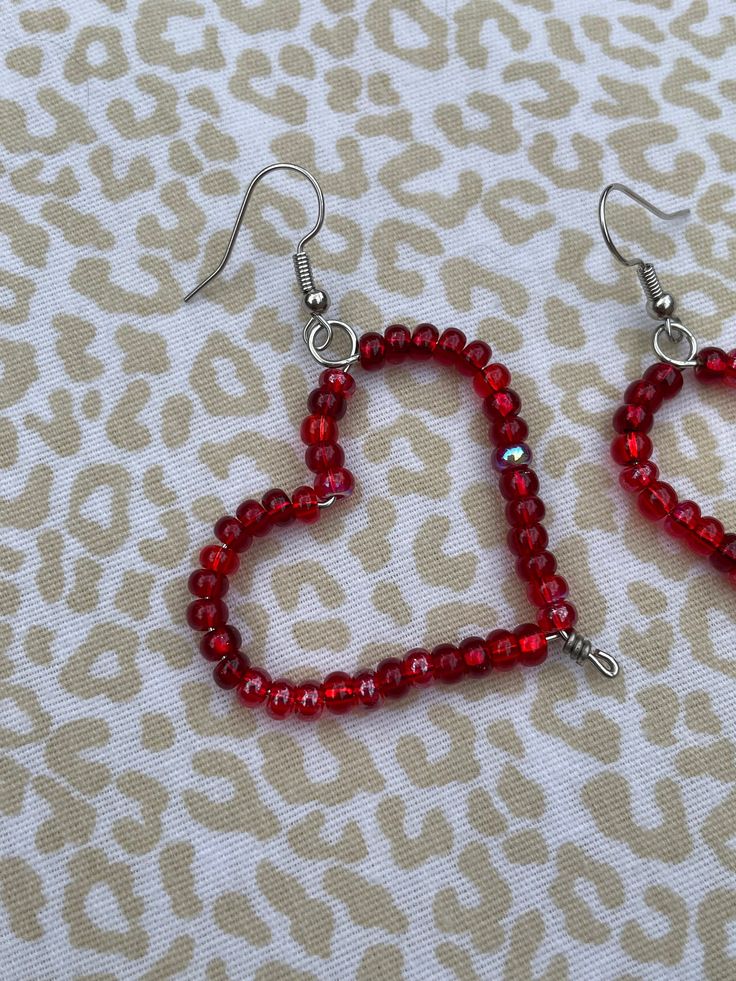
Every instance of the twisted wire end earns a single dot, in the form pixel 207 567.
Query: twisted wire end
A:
pixel 581 649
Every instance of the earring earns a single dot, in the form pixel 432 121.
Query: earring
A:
pixel 527 538
pixel 632 447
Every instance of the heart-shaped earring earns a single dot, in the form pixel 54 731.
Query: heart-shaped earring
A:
pixel 527 539
pixel 632 447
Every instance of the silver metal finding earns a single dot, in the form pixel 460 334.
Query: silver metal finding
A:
pixel 311 331
pixel 581 649
pixel 673 327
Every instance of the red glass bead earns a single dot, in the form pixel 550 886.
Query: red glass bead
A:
pixel 501 404
pixel 309 701
pixel 666 377
pixel 398 343
pixel 278 507
pixel 334 483
pixel 254 518
pixel 503 649
pixel 518 482
pixel 324 456
pixel 338 381
pixel 638 476
pixel 366 690
pixel 490 379
pixel 390 678
pixel 254 686
pixel 557 616
pixel 724 557
pixel 633 419
pixel 508 431
pixel 682 519
pixel 450 346
pixel 547 590
pixel 318 429
pixel 706 536
pixel 631 448
pixel 713 365
pixel 417 667
pixel 533 567
pixel 474 358
pixel 657 500
pixel 230 671
pixel 644 393
pixel 372 351
pixel 475 655
pixel 231 533
pixel 525 511
pixel 220 642
pixel 529 540
pixel 204 614
pixel 532 644
pixel 280 700
pixel 220 559
pixel 730 378
pixel 339 692
pixel 447 664
pixel 208 584
pixel 304 501
pixel 322 402
pixel 508 457
pixel 423 342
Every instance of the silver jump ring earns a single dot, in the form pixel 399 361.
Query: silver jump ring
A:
pixel 312 329
pixel 315 324
pixel 672 327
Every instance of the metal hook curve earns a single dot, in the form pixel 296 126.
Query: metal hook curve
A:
pixel 666 215
pixel 246 198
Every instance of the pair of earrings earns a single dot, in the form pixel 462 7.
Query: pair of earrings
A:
pixel 502 649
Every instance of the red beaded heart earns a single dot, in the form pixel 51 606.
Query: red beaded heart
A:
pixel 632 449
pixel 393 678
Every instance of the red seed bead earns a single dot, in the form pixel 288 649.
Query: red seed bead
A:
pixel 640 475
pixel 254 518
pixel 629 448
pixel 713 365
pixel 254 686
pixel 423 342
pixel 398 343
pixel 324 456
pixel 309 701
pixel 501 404
pixel 334 483
pixel 490 379
pixel 527 541
pixel 280 700
pixel 338 381
pixel 322 402
pixel 508 431
pixel 220 642
pixel 518 482
pixel 557 616
pixel 503 649
pixel 475 655
pixel 304 501
pixel 644 393
pixel 682 519
pixel 525 511
pixel 450 346
pixel 219 558
pixel 633 419
pixel 666 377
pixel 208 584
pixel 339 692
pixel 657 500
pixel 474 358
pixel 318 429
pixel 372 351
pixel 278 506
pixel 531 568
pixel 417 667
pixel 730 378
pixel 707 536
pixel 532 644
pixel 204 614
pixel 447 664
pixel 366 690
pixel 724 557
pixel 231 533
pixel 229 672
pixel 547 590
pixel 390 678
